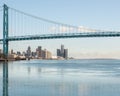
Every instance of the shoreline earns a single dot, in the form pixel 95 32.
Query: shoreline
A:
pixel 1 60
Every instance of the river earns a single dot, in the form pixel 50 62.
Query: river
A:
pixel 62 78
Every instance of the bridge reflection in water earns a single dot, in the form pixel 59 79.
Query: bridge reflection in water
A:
pixel 5 78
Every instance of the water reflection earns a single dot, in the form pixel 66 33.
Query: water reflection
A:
pixel 39 70
pixel 5 78
pixel 40 78
pixel 29 70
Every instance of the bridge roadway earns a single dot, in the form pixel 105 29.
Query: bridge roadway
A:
pixel 64 35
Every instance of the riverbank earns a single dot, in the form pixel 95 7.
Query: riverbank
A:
pixel 10 59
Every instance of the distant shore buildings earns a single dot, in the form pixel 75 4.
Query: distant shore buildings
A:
pixel 62 52
pixel 39 53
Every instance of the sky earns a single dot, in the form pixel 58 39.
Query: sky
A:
pixel 96 14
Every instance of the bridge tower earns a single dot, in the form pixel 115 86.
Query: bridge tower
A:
pixel 5 30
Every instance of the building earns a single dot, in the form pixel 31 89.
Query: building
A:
pixel 33 54
pixel 23 53
pixel 66 53
pixel 49 55
pixel 0 51
pixel 62 52
pixel 28 51
pixel 46 54
pixel 18 53
pixel 58 52
pixel 39 52
pixel 12 51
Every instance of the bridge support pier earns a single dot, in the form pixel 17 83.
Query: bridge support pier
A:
pixel 5 30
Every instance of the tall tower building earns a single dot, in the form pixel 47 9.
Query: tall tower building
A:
pixel 39 48
pixel 65 53
pixel 62 52
pixel 12 51
pixel 58 52
pixel 29 51
pixel 39 51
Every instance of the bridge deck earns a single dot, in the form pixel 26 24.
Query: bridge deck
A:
pixel 64 35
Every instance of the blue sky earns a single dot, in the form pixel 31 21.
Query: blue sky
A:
pixel 98 14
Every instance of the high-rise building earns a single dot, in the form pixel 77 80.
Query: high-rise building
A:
pixel 65 53
pixel 28 51
pixel 49 55
pixel 33 54
pixel 58 52
pixel 46 54
pixel 39 51
pixel 62 52
pixel 12 51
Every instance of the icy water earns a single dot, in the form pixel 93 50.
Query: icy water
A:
pixel 62 78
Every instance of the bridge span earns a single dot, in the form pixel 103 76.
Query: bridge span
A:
pixel 64 35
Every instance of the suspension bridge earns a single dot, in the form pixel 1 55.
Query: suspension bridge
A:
pixel 18 25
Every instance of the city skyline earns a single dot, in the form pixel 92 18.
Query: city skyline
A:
pixel 38 53
pixel 93 14
pixel 84 51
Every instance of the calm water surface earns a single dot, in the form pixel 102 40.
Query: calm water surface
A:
pixel 63 78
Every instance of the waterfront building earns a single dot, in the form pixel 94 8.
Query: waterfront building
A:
pixel 10 56
pixel 12 51
pixel 33 54
pixel 39 52
pixel 28 51
pixel 0 51
pixel 18 53
pixel 43 54
pixel 62 52
pixel 49 55
pixel 23 53
pixel 46 54
pixel 58 52
pixel 65 53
